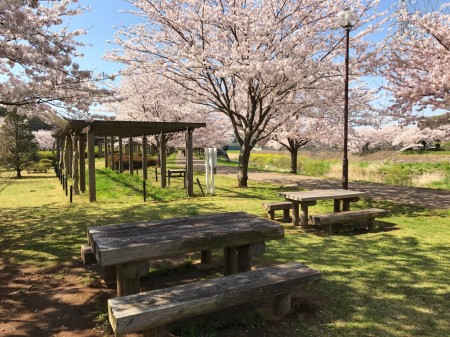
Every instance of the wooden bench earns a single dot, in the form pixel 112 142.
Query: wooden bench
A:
pixel 348 217
pixel 176 173
pixel 271 207
pixel 151 310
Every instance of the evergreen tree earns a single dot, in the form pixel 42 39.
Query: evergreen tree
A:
pixel 18 146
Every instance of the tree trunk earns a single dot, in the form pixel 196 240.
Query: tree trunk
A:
pixel 294 156
pixel 244 159
pixel 18 175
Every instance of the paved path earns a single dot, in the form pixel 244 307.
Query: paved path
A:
pixel 426 197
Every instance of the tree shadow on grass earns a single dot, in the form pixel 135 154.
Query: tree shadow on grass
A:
pixel 375 285
pixel 379 285
pixel 46 239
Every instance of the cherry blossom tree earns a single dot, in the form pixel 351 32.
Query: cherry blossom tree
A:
pixel 322 117
pixel 418 61
pixel 366 139
pixel 44 139
pixel 36 58
pixel 245 59
pixel 416 137
pixel 152 97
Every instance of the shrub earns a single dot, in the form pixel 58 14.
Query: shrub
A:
pixel 48 156
pixel 137 161
pixel 47 163
pixel 37 168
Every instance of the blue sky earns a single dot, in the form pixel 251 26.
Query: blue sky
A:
pixel 100 21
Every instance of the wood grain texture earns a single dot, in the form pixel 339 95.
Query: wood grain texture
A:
pixel 321 195
pixel 159 307
pixel 324 219
pixel 275 206
pixel 124 243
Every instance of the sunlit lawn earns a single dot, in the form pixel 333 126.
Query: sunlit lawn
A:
pixel 386 283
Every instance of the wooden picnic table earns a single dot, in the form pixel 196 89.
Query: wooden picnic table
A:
pixel 302 200
pixel 130 246
pixel 176 173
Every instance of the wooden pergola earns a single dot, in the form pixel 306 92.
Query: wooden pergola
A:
pixel 79 134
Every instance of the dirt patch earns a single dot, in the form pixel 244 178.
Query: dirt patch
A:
pixel 70 300
pixel 62 301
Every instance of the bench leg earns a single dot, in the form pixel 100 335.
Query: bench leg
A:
pixel 206 256
pixel 371 224
pixel 244 262
pixel 229 260
pixel 271 215
pixel 286 214
pixel 154 332
pixel 330 228
pixel 282 304
pixel 87 255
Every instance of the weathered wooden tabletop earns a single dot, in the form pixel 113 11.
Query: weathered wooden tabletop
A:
pixel 321 195
pixel 124 243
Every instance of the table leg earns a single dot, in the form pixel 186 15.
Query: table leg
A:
pixel 337 205
pixel 109 274
pixel 295 214
pixel 229 260
pixel 206 256
pixel 346 204
pixel 304 215
pixel 128 275
pixel 244 262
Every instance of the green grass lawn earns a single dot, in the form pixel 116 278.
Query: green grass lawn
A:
pixel 387 283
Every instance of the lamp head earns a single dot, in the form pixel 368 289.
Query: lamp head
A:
pixel 347 18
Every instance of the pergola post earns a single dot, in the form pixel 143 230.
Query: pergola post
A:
pixel 130 154
pixel 100 151
pixel 62 154
pixel 82 149
pixel 112 152
pixel 106 152
pixel 75 163
pixel 144 157
pixel 189 163
pixel 91 165
pixel 120 155
pixel 67 148
pixel 162 159
pixel 70 156
pixel 58 150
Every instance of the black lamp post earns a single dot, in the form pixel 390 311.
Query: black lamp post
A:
pixel 347 18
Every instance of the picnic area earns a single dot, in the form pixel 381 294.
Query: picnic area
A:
pixel 367 281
